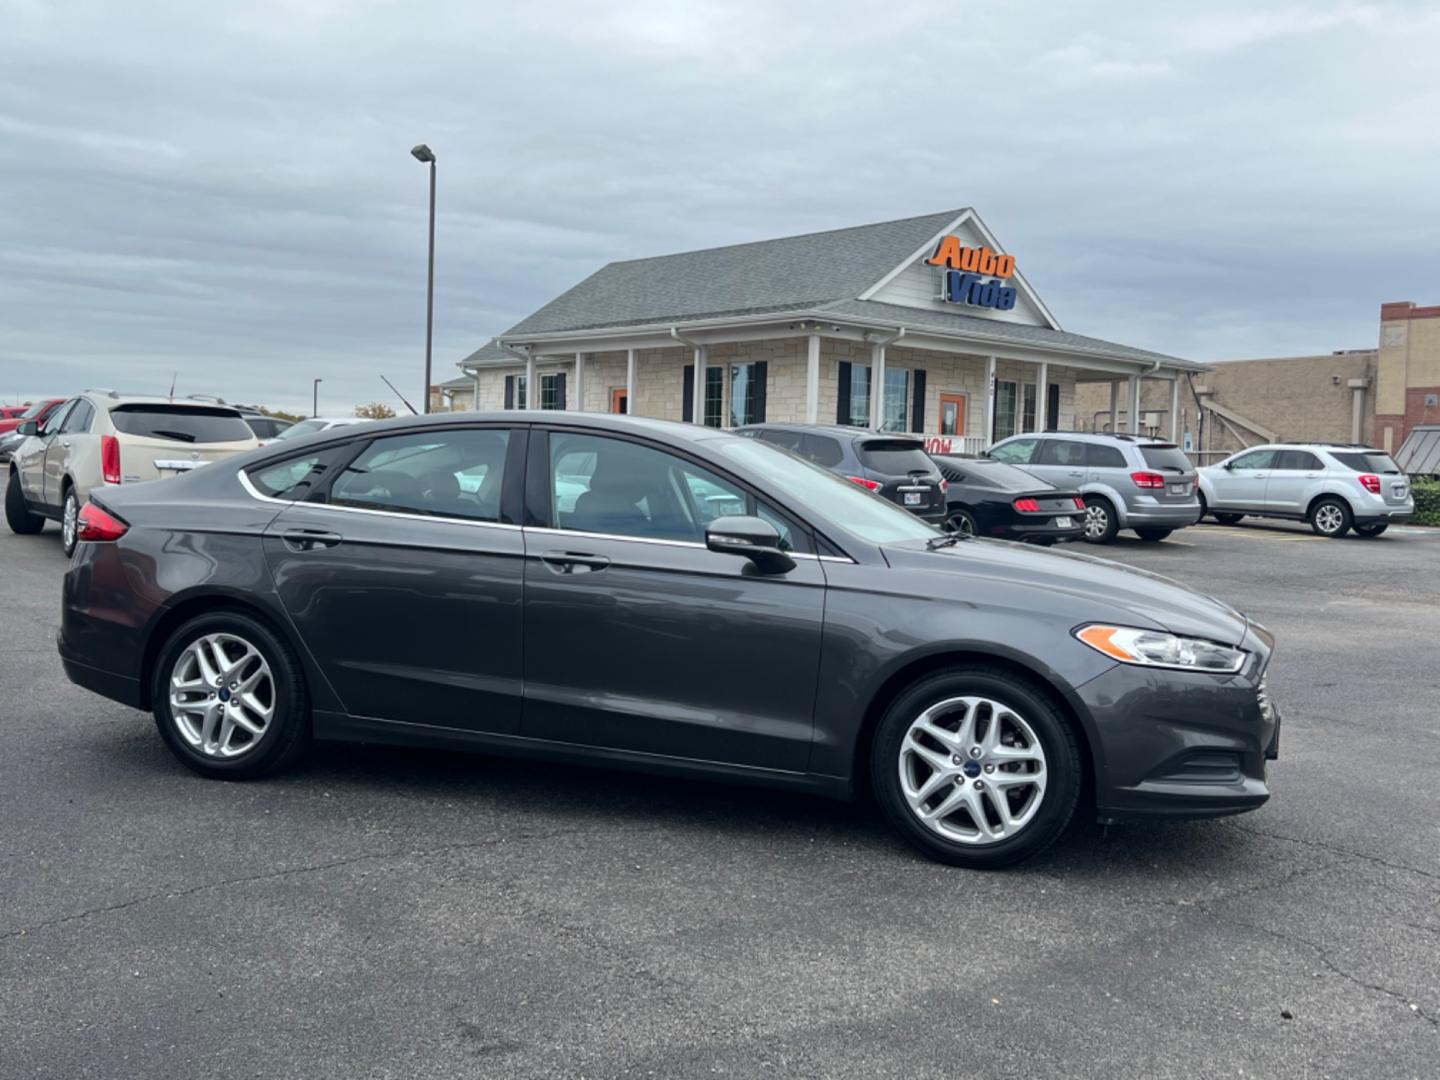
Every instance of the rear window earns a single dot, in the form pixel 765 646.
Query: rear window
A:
pixel 895 457
pixel 183 423
pixel 1371 461
pixel 1166 458
pixel 265 427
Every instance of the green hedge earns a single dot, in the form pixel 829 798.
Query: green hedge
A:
pixel 1427 502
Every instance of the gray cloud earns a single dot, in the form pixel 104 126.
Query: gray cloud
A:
pixel 228 193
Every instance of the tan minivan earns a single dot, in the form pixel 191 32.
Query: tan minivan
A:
pixel 102 438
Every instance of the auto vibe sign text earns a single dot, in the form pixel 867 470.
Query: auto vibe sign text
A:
pixel 974 276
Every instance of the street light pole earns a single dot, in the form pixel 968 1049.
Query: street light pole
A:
pixel 425 155
pixel 315 397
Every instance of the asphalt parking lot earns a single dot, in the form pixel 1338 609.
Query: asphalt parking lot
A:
pixel 391 913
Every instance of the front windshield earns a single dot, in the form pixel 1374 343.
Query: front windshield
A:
pixel 305 427
pixel 851 507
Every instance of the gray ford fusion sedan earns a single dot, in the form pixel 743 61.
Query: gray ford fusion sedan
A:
pixel 664 597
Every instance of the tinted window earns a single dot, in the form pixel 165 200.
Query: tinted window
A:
pixel 1061 452
pixel 297 477
pixel 894 457
pixel 265 427
pixel 1372 461
pixel 304 427
pixel 78 422
pixel 1016 452
pixel 56 420
pixel 1165 458
pixel 790 440
pixel 456 474
pixel 183 423
pixel 822 450
pixel 1100 456
pixel 1256 459
pixel 1297 461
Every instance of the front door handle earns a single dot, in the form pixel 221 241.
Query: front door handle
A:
pixel 309 539
pixel 573 562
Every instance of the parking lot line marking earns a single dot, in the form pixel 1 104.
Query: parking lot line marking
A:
pixel 1258 535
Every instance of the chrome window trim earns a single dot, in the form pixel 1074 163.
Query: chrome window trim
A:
pixel 546 530
pixel 255 494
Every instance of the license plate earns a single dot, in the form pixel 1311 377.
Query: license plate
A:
pixel 914 498
pixel 1398 490
pixel 1179 489
pixel 1064 522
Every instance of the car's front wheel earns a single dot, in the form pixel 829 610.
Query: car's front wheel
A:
pixel 1100 523
pixel 17 513
pixel 1330 518
pixel 976 767
pixel 229 697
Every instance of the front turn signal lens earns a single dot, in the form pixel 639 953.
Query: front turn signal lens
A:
pixel 1156 648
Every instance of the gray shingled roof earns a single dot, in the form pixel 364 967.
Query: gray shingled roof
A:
pixel 792 273
pixel 464 382
pixel 489 353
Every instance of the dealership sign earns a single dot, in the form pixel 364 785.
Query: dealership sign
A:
pixel 974 276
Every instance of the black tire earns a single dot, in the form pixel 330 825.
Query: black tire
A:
pixel 288 733
pixel 962 521
pixel 1228 519
pixel 1154 536
pixel 1029 700
pixel 69 536
pixel 1369 531
pixel 1101 514
pixel 17 511
pixel 1330 517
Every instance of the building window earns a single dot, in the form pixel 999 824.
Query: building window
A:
pixel 897 399
pixel 549 391
pixel 714 396
pixel 1005 402
pixel 860 395
pixel 742 395
pixel 520 381
pixel 1027 410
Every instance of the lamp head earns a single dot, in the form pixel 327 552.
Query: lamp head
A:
pixel 423 154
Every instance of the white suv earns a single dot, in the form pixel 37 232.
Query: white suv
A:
pixel 1335 487
pixel 102 438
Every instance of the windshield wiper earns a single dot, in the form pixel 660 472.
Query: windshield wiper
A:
pixel 182 436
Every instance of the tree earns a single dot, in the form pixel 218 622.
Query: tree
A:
pixel 280 414
pixel 376 410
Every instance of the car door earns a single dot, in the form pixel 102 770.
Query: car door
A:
pixel 1291 475
pixel 1242 485
pixel 32 459
pixel 639 638
pixel 402 574
pixel 1060 462
pixel 67 447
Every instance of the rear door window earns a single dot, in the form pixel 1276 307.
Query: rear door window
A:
pixel 1061 452
pixel 448 474
pixel 1100 456
pixel 1371 461
pixel 182 423
pixel 790 440
pixel 1165 459
pixel 296 478
pixel 1297 461
pixel 895 457
pixel 822 450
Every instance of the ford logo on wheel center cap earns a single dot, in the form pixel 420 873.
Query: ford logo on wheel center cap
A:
pixel 972 768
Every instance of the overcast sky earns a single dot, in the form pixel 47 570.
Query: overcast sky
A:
pixel 227 190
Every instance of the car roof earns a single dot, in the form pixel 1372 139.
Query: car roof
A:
pixel 1092 436
pixel 110 399
pixel 842 431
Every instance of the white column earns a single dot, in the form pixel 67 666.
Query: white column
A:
pixel 812 381
pixel 630 381
pixel 531 390
pixel 1042 398
pixel 1175 409
pixel 877 386
pixel 1114 404
pixel 1135 404
pixel 475 401
pixel 579 394
pixel 988 435
pixel 697 405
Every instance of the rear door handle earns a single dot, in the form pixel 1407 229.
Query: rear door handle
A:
pixel 309 539
pixel 573 562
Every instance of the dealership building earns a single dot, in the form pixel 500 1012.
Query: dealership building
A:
pixel 924 325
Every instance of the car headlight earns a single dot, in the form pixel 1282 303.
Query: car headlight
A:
pixel 1156 648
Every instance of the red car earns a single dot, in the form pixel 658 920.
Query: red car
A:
pixel 11 416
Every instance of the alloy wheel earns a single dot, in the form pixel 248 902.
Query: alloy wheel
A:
pixel 972 770
pixel 1329 518
pixel 1096 521
pixel 70 521
pixel 222 695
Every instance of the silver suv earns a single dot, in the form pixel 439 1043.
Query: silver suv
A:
pixel 1127 481
pixel 1335 487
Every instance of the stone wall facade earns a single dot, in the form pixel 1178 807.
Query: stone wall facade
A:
pixel 1407 383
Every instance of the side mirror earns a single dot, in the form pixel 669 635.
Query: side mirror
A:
pixel 29 427
pixel 1228 466
pixel 752 537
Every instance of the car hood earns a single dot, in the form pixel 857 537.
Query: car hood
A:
pixel 1151 598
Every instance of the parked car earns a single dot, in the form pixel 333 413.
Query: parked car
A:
pixel 37 411
pixel 100 439
pixel 13 412
pixel 895 467
pixel 985 497
pixel 317 424
pixel 265 427
pixel 1127 481
pixel 823 640
pixel 8 444
pixel 1336 487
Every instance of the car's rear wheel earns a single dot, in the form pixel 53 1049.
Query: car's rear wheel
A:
pixel 962 521
pixel 17 513
pixel 976 767
pixel 1368 531
pixel 1330 518
pixel 70 522
pixel 1228 519
pixel 1100 523
pixel 1153 535
pixel 229 697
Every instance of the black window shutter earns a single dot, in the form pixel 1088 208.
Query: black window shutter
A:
pixel 560 390
pixel 509 391
pixel 842 407
pixel 917 402
pixel 687 403
pixel 1052 407
pixel 759 371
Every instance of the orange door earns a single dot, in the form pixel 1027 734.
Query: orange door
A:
pixel 619 400
pixel 952 414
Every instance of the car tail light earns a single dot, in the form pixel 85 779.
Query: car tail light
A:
pixel 1027 506
pixel 110 458
pixel 1147 479
pixel 868 485
pixel 1371 483
pixel 1079 503
pixel 96 525
pixel 944 486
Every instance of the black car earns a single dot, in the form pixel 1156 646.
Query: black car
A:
pixel 989 498
pixel 894 467
pixel 664 597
